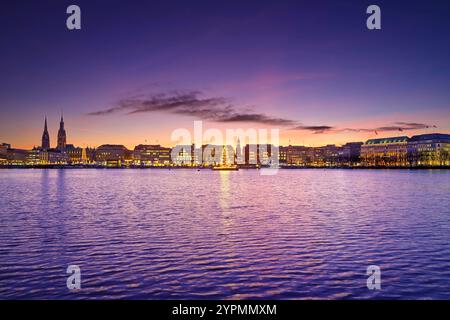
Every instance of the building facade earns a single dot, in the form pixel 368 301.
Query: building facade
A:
pixel 112 155
pixel 385 152
pixel 17 157
pixel 259 154
pixel 151 155
pixel 351 153
pixel 4 153
pixel 429 150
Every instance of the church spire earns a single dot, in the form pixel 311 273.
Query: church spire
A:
pixel 238 152
pixel 61 135
pixel 45 137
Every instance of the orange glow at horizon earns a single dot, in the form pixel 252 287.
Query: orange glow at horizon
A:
pixel 87 138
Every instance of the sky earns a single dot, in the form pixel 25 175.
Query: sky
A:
pixel 138 70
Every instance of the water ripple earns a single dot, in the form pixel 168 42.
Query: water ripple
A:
pixel 157 234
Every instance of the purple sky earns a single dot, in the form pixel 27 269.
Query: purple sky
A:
pixel 140 69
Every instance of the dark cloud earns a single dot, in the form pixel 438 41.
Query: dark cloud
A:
pixel 413 125
pixel 398 126
pixel 219 109
pixel 256 117
pixel 192 103
pixel 315 129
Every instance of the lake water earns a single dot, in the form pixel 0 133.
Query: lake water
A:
pixel 178 234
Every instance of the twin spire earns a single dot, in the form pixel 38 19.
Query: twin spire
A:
pixel 61 139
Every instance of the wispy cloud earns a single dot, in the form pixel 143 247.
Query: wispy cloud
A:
pixel 220 109
pixel 193 103
pixel 397 126
pixel 314 129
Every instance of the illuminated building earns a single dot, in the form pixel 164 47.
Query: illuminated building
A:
pixel 56 156
pixel 326 156
pixel 112 155
pixel 35 157
pixel 151 155
pixel 74 153
pixel 258 154
pixel 282 155
pixel 17 157
pixel 429 150
pixel 182 155
pixel 386 152
pixel 298 155
pixel 4 152
pixel 351 153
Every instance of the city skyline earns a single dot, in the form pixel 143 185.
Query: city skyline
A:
pixel 61 138
pixel 225 156
pixel 256 67
pixel 423 150
pixel 394 130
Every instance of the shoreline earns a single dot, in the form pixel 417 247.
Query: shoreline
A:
pixel 70 167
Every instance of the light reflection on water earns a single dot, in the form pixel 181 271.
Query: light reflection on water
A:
pixel 160 234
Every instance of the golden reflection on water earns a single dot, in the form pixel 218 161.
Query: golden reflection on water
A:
pixel 224 190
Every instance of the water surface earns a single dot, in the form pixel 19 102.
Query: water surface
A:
pixel 179 234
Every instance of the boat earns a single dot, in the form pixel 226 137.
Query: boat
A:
pixel 225 168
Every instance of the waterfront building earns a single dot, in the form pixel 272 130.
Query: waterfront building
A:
pixel 4 149
pixel 298 155
pixel 258 154
pixel 55 156
pixel 112 155
pixel 351 153
pixel 50 156
pixel 35 156
pixel 4 152
pixel 74 153
pixel 151 155
pixel 196 155
pixel 79 155
pixel 16 157
pixel 182 155
pixel 45 137
pixel 386 152
pixel 62 138
pixel 326 156
pixel 429 150
pixel 282 155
